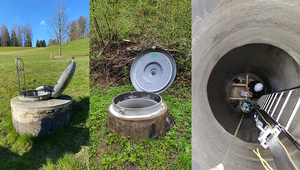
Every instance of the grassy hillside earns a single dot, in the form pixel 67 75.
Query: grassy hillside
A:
pixel 66 148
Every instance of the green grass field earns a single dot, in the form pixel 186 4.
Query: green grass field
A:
pixel 66 148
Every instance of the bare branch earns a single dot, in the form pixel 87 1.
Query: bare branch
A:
pixel 58 25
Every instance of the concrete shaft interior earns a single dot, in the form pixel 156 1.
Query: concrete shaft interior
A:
pixel 274 67
pixel 229 38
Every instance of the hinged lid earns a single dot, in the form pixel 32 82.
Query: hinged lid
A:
pixel 45 92
pixel 153 70
pixel 64 79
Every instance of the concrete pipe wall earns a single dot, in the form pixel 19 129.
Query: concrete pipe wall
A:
pixel 231 37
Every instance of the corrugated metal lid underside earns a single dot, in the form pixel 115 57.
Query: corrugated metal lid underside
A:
pixel 153 70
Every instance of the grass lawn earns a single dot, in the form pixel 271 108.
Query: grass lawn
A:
pixel 66 148
pixel 172 151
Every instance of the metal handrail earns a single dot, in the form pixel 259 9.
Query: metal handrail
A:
pixel 21 69
pixel 293 89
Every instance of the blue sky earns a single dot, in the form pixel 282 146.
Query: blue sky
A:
pixel 37 13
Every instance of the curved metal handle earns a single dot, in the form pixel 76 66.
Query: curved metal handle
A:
pixel 21 69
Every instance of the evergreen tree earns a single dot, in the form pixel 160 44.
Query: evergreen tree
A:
pixel 5 38
pixel 44 43
pixel 13 39
pixel 41 44
pixel 37 43
pixel 7 44
pixel 28 42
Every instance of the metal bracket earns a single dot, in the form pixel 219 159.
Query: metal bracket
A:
pixel 268 139
pixel 279 155
pixel 266 134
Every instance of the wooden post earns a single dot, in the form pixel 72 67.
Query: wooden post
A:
pixel 51 54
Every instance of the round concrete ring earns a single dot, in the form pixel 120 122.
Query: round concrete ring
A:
pixel 140 127
pixel 41 117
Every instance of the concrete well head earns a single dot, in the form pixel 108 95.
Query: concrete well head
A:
pixel 143 114
pixel 139 115
pixel 43 110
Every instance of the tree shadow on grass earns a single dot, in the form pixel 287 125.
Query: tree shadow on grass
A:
pixel 52 148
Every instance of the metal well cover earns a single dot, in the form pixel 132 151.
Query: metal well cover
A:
pixel 153 70
pixel 64 79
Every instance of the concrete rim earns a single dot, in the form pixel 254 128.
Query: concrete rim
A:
pixel 140 128
pixel 42 104
pixel 134 118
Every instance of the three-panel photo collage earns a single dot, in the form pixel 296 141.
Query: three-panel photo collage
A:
pixel 150 84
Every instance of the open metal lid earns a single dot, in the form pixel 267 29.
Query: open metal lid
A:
pixel 45 92
pixel 64 79
pixel 153 70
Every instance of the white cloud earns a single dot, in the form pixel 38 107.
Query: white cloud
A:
pixel 43 22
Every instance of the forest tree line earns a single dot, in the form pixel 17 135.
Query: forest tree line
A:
pixel 77 29
pixel 21 36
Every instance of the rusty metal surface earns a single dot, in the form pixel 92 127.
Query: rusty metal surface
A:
pixel 140 128
pixel 64 79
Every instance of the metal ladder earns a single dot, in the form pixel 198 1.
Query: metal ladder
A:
pixel 281 106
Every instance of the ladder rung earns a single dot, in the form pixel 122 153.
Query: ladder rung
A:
pixel 265 103
pixel 271 99
pixel 281 94
pixel 293 115
pixel 272 103
pixel 284 104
